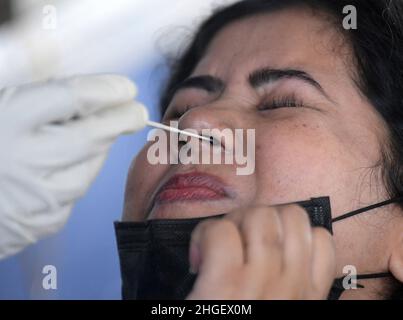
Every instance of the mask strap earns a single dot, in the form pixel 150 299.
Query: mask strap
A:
pixel 374 206
pixel 337 287
pixel 338 282
pixel 373 276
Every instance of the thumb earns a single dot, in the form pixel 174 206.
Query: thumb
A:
pixel 106 126
pixel 216 251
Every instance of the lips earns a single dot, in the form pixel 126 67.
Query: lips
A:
pixel 191 186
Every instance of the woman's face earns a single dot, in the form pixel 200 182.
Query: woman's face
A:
pixel 326 145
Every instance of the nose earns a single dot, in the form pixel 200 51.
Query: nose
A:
pixel 219 120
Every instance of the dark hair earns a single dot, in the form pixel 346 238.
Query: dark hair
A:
pixel 377 46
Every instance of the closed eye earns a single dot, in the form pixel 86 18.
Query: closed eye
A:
pixel 282 102
pixel 274 103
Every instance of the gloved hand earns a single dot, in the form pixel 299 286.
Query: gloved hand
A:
pixel 54 138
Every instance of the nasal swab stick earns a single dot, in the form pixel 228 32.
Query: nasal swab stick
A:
pixel 175 130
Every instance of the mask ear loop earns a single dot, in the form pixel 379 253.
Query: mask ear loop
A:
pixel 338 282
pixel 371 207
pixel 372 276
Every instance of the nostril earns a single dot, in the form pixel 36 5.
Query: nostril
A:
pixel 181 143
pixel 217 144
pixel 213 141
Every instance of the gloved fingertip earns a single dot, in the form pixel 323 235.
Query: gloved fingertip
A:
pixel 98 92
pixel 122 87
pixel 136 117
pixel 143 114
pixel 125 83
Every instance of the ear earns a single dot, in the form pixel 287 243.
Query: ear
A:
pixel 396 259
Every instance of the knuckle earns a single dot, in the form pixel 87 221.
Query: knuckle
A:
pixel 323 237
pixel 215 227
pixel 255 216
pixel 222 226
pixel 296 212
pixel 264 223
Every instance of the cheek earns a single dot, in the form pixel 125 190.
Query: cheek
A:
pixel 141 182
pixel 297 161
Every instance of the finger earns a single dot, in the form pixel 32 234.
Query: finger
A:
pixel 262 236
pixel 220 253
pixel 297 247
pixel 52 152
pixel 60 146
pixel 48 222
pixel 72 183
pixel 109 124
pixel 14 184
pixel 98 92
pixel 61 100
pixel 60 188
pixel 60 152
pixel 323 263
pixel 27 229
pixel 55 188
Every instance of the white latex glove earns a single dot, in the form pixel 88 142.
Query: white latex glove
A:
pixel 54 138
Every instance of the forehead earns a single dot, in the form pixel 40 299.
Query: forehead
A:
pixel 295 37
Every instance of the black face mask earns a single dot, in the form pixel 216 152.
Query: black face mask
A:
pixel 154 255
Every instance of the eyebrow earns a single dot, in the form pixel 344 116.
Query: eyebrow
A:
pixel 266 76
pixel 256 79
pixel 205 82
